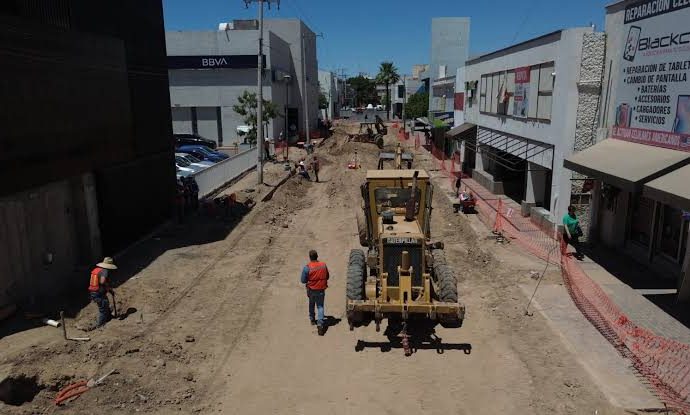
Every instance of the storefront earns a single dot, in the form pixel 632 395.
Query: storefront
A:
pixel 641 170
pixel 531 111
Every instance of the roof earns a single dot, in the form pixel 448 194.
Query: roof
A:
pixel 397 174
pixel 455 131
pixel 671 189
pixel 625 164
pixel 486 55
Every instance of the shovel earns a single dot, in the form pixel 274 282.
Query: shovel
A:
pixel 115 315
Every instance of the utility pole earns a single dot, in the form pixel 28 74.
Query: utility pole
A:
pixel 260 85
pixel 404 102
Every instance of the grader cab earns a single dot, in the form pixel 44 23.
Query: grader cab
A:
pixel 403 273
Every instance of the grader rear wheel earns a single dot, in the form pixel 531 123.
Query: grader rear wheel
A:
pixel 356 276
pixel 446 287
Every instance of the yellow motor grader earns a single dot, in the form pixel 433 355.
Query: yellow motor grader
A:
pixel 403 273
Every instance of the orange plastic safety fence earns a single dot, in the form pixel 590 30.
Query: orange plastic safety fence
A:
pixel 664 363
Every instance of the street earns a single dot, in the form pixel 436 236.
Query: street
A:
pixel 220 323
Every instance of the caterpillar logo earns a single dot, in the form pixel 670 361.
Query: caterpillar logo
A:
pixel 402 241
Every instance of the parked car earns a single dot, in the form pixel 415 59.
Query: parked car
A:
pixel 194 139
pixel 370 107
pixel 203 153
pixel 379 107
pixel 195 161
pixel 186 166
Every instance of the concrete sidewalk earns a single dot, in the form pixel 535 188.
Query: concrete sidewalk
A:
pixel 613 374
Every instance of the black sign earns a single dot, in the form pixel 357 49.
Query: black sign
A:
pixel 215 62
pixel 650 8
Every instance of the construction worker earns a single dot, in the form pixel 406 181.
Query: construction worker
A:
pixel 302 170
pixel 99 287
pixel 315 277
pixel 316 166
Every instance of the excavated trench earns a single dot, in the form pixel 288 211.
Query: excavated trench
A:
pixel 19 390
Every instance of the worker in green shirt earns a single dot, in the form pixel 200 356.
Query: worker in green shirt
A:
pixel 573 231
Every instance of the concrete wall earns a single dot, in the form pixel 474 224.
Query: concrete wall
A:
pixel 564 48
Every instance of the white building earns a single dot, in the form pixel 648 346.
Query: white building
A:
pixel 525 109
pixel 209 70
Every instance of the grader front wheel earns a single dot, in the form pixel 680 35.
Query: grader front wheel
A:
pixel 356 272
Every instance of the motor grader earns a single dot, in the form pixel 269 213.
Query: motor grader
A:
pixel 403 273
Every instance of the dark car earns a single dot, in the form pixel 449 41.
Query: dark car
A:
pixel 193 140
pixel 203 153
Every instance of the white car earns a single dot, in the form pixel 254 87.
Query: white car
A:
pixel 379 107
pixel 195 162
pixel 186 166
pixel 370 107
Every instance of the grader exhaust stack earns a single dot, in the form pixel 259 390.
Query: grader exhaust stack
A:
pixel 402 273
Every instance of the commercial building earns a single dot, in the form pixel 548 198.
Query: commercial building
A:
pixel 209 70
pixel 329 86
pixel 86 158
pixel 524 109
pixel 450 44
pixel 640 168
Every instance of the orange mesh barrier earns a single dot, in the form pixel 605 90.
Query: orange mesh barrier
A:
pixel 664 363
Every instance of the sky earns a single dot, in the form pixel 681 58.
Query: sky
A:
pixel 358 35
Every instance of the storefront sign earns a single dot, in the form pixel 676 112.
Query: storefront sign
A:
pixel 214 62
pixel 521 96
pixel 653 96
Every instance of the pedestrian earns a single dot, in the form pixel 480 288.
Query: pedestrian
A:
pixel 99 287
pixel 267 152
pixel 179 200
pixel 315 277
pixel 458 184
pixel 315 165
pixel 302 170
pixel 572 231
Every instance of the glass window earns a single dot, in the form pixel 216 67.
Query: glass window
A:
pixel 641 221
pixel 670 232
pixel 392 198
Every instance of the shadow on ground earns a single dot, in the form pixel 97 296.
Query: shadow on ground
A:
pixel 421 335
pixel 198 229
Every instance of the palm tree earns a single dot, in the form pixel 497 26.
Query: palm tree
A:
pixel 388 74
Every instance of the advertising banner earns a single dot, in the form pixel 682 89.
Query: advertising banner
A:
pixel 653 94
pixel 521 96
pixel 459 101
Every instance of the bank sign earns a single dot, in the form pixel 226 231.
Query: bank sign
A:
pixel 215 62
pixel 653 95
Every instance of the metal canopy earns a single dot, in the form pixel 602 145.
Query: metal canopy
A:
pixel 509 151
pixel 625 164
pixel 671 189
pixel 460 129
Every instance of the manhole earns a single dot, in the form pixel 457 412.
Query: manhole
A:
pixel 19 390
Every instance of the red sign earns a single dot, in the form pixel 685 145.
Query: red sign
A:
pixel 459 101
pixel 522 75
pixel 674 141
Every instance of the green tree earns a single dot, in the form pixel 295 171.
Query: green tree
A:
pixel 246 107
pixel 323 100
pixel 364 90
pixel 417 105
pixel 388 75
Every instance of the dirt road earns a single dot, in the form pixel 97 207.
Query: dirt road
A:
pixel 221 326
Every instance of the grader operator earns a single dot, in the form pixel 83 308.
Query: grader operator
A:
pixel 402 273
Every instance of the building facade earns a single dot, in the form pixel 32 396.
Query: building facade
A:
pixel 639 169
pixel 532 104
pixel 209 70
pixel 450 45
pixel 329 87
pixel 87 158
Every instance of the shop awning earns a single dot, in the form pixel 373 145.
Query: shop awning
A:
pixel 624 164
pixel 460 129
pixel 671 189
